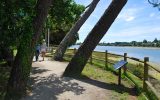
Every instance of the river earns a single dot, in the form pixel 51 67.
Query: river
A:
pixel 137 52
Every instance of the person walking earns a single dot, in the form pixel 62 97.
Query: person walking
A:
pixel 37 51
pixel 43 49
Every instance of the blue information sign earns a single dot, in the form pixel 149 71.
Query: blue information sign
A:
pixel 120 64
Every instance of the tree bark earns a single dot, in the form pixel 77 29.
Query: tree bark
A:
pixel 79 60
pixel 70 35
pixel 22 64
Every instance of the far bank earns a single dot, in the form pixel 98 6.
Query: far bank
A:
pixel 138 52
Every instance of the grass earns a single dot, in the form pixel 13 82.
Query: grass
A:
pixel 135 74
pixel 99 72
pixel 111 79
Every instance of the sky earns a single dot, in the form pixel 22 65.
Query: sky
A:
pixel 137 21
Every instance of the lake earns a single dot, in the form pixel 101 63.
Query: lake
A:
pixel 137 52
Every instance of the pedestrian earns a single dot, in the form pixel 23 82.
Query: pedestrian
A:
pixel 37 51
pixel 43 49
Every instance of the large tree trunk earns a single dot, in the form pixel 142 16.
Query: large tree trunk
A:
pixel 79 60
pixel 22 64
pixel 67 40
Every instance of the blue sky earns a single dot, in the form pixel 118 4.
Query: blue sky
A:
pixel 138 20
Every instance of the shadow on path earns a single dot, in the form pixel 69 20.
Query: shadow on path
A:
pixel 109 86
pixel 36 70
pixel 48 88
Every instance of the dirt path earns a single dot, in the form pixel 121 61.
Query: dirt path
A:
pixel 47 84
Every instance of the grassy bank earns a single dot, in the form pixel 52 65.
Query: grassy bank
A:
pixel 134 72
pixel 109 76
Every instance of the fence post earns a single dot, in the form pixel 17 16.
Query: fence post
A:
pixel 106 59
pixel 145 78
pixel 125 59
pixel 91 59
pixel 119 76
pixel 74 51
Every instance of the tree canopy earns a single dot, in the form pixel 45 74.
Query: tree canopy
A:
pixel 16 18
pixel 61 18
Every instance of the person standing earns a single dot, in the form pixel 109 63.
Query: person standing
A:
pixel 37 51
pixel 43 49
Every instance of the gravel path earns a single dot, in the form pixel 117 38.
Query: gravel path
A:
pixel 47 84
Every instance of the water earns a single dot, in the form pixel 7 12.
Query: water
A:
pixel 137 52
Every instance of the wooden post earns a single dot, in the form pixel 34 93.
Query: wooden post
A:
pixel 91 59
pixel 145 78
pixel 125 59
pixel 119 77
pixel 74 51
pixel 106 59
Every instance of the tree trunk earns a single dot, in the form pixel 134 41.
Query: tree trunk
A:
pixel 70 35
pixel 79 60
pixel 22 64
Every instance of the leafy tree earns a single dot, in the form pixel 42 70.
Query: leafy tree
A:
pixel 155 40
pixel 79 60
pixel 14 18
pixel 23 60
pixel 62 16
pixel 145 41
pixel 133 43
pixel 73 31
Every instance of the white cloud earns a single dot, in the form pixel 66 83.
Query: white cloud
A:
pixel 137 31
pixel 130 18
pixel 152 15
pixel 129 14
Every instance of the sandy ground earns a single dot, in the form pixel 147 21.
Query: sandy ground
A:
pixel 47 84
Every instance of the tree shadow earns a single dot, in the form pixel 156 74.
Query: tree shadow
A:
pixel 48 88
pixel 109 86
pixel 37 70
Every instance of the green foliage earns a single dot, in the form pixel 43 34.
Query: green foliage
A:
pixel 136 69
pixel 62 16
pixel 15 18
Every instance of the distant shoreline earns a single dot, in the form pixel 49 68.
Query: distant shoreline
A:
pixel 134 47
pixel 130 46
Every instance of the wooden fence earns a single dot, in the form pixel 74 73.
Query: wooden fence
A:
pixel 146 66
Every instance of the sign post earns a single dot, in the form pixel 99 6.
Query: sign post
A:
pixel 118 66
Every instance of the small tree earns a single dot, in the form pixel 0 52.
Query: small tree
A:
pixel 145 41
pixel 155 40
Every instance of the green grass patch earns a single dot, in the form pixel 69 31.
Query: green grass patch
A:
pixel 108 77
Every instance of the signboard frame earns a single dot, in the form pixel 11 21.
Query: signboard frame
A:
pixel 118 66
